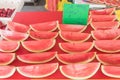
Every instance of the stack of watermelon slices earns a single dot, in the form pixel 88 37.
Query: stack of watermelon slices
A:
pixel 75 48
pixel 106 34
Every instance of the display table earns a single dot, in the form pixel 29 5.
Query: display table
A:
pixel 36 17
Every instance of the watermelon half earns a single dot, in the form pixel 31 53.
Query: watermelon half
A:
pixel 111 71
pixel 109 59
pixel 76 58
pixel 103 18
pixel 72 28
pixel 13 36
pixel 105 25
pixel 38 71
pixel 14 26
pixel 76 47
pixel 72 37
pixel 43 35
pixel 7 71
pixel 6 58
pixel 108 46
pixel 110 34
pixel 9 46
pixel 107 11
pixel 37 57
pixel 79 71
pixel 39 46
pixel 45 26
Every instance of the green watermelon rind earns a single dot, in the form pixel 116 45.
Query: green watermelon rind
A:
pixel 57 22
pixel 29 76
pixel 27 35
pixel 74 41
pixel 102 50
pixel 107 74
pixel 40 39
pixel 75 31
pixel 86 61
pixel 76 52
pixel 9 62
pixel 9 74
pixel 80 78
pixel 98 29
pixel 35 62
pixel 95 38
pixel 13 49
pixel 54 42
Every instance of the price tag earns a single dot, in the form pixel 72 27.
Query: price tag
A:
pixel 75 14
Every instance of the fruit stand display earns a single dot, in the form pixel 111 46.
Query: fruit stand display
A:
pixel 53 51
pixel 8 9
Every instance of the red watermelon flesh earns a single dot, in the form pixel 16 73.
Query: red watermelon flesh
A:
pixel 103 18
pixel 107 11
pixel 106 34
pixel 7 71
pixel 76 47
pixel 43 35
pixel 108 2
pixel 39 45
pixel 6 58
pixel 109 59
pixel 9 46
pixel 72 28
pixel 13 36
pixel 80 71
pixel 45 26
pixel 14 26
pixel 38 71
pixel 109 46
pixel 105 25
pixel 76 58
pixel 72 37
pixel 111 71
pixel 101 1
pixel 37 57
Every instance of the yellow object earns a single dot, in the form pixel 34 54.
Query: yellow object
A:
pixel 117 12
pixel 61 4
pixel 46 4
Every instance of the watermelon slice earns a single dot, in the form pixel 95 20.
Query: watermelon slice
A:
pixel 39 46
pixel 72 37
pixel 14 26
pixel 6 59
pixel 72 28
pixel 111 71
pixel 109 59
pixel 7 71
pixel 107 11
pixel 38 71
pixel 109 46
pixel 104 25
pixel 13 36
pixel 79 71
pixel 43 35
pixel 76 47
pixel 37 57
pixel 45 26
pixel 9 46
pixel 110 34
pixel 76 58
pixel 103 18
pixel 102 1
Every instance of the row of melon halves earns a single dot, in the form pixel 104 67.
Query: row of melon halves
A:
pixel 72 33
pixel 44 57
pixel 108 46
pixel 72 71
